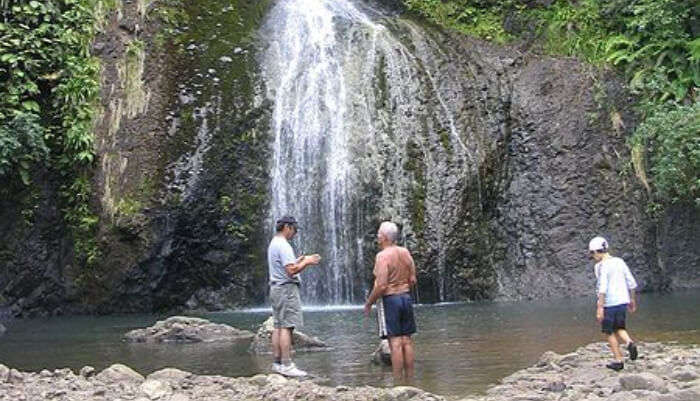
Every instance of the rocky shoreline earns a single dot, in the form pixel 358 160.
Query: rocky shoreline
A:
pixel 664 372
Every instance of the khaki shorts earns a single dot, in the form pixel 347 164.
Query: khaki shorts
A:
pixel 286 306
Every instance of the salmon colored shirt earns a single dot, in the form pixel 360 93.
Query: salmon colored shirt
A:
pixel 394 267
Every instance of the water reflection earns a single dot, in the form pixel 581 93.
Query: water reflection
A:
pixel 461 348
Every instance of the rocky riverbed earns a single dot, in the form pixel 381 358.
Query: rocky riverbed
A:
pixel 662 373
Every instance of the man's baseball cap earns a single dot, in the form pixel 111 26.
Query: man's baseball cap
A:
pixel 288 220
pixel 599 244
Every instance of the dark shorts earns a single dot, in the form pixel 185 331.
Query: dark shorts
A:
pixel 613 318
pixel 398 315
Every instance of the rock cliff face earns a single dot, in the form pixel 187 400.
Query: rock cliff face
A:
pixel 498 164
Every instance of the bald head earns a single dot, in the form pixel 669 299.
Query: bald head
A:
pixel 390 231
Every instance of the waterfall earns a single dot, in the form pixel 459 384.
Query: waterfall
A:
pixel 353 92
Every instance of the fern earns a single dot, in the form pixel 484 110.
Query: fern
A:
pixel 694 50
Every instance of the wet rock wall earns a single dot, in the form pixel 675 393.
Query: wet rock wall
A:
pixel 182 178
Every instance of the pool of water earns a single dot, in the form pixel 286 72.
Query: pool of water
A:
pixel 461 349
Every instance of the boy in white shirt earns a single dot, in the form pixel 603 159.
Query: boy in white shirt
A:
pixel 616 295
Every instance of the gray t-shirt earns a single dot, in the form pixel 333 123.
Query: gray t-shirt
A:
pixel 279 255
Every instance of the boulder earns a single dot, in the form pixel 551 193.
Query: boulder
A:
pixel 4 373
pixel 87 371
pixel 15 376
pixel 262 342
pixel 685 374
pixel 169 375
pixel 181 329
pixel 382 355
pixel 548 359
pixel 691 394
pixel 643 381
pixel 119 373
pixel 155 389
pixel 405 393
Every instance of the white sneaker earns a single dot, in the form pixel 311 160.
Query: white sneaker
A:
pixel 276 367
pixel 291 370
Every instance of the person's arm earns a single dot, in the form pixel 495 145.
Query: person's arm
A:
pixel 301 263
pixel 412 281
pixel 632 307
pixel 599 308
pixel 381 283
pixel 602 289
pixel 631 287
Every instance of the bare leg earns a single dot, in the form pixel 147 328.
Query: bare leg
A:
pixel 276 350
pixel 408 357
pixel 285 344
pixel 624 336
pixel 615 347
pixel 395 344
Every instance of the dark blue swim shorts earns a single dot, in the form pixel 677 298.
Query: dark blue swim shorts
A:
pixel 613 318
pixel 398 315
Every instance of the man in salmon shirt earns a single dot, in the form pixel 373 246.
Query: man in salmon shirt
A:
pixel 395 275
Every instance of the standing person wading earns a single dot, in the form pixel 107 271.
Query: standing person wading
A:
pixel 616 295
pixel 284 271
pixel 395 274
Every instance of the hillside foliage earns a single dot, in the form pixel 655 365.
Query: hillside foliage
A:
pixel 50 86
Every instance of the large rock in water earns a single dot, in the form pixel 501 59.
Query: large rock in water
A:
pixel 262 343
pixel 181 329
pixel 382 355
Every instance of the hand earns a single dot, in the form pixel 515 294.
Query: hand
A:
pixel 599 314
pixel 632 307
pixel 313 259
pixel 368 308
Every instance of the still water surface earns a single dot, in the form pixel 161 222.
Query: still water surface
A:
pixel 461 348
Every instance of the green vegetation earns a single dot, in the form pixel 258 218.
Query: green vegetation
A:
pixel 21 145
pixel 651 42
pixel 671 133
pixel 50 86
pixel 477 18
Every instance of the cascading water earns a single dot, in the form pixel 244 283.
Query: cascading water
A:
pixel 352 95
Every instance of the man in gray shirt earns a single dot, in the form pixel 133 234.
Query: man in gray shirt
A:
pixel 284 271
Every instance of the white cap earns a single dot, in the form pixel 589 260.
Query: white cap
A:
pixel 598 244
